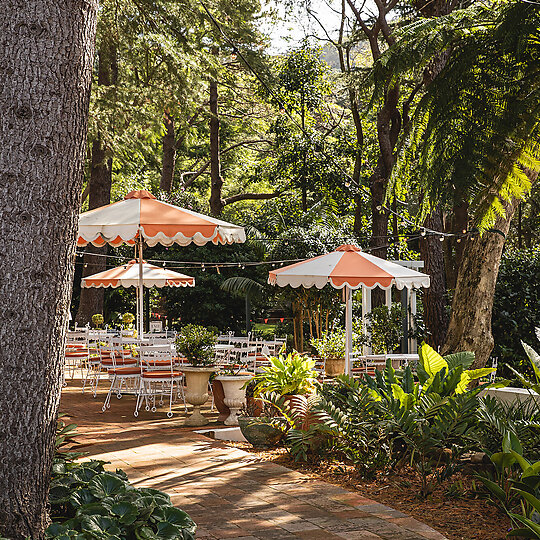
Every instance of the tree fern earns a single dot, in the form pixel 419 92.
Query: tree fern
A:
pixel 476 129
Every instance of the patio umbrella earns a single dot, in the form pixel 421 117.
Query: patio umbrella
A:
pixel 348 267
pixel 127 275
pixel 141 218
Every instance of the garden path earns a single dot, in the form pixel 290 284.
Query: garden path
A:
pixel 229 493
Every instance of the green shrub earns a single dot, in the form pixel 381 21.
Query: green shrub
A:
pixel 516 307
pixel 196 343
pixel 330 345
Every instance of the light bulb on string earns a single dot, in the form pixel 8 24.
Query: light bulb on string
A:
pixel 203 268
pixel 347 184
pixel 441 238
pixel 423 232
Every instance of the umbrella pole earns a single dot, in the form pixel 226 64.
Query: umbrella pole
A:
pixel 348 329
pixel 140 305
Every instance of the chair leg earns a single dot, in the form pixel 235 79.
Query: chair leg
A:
pixel 107 402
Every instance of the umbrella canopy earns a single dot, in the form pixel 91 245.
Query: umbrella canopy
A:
pixel 158 222
pixel 128 276
pixel 347 266
pixel 140 217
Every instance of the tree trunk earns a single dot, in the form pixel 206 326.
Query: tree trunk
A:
pixel 216 181
pixel 434 298
pixel 169 155
pixel 91 300
pixel 46 49
pixel 470 320
pixel 99 188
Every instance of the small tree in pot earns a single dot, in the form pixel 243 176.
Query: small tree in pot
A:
pixel 331 348
pixel 197 343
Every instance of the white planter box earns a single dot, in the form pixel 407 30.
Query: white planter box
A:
pixel 510 395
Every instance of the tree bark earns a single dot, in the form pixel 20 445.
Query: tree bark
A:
pixel 470 320
pixel 99 184
pixel 434 298
pixel 46 56
pixel 216 181
pixel 169 154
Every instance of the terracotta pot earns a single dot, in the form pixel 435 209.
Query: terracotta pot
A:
pixel 219 396
pixel 334 366
pixel 197 392
pixel 259 434
pixel 235 394
pixel 255 406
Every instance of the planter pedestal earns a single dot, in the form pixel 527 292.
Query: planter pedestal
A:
pixel 235 394
pixel 197 392
pixel 334 366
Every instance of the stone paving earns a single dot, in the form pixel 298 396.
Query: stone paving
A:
pixel 229 493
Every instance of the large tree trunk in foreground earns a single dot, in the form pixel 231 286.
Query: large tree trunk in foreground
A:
pixel 216 182
pixel 434 298
pixel 46 52
pixel 470 320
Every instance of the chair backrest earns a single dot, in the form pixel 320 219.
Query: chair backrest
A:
pixel 154 357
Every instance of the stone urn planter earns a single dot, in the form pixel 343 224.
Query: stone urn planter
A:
pixel 334 366
pixel 197 392
pixel 235 394
pixel 259 433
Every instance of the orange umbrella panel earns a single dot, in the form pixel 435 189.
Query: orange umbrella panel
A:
pixel 128 276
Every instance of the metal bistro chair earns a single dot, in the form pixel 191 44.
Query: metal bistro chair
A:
pixel 123 371
pixel 158 379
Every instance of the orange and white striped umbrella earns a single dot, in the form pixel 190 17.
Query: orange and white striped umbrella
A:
pixel 158 222
pixel 348 266
pixel 128 276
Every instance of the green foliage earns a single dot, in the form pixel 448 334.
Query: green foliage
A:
pixel 384 329
pixel 516 489
pixel 330 345
pixel 516 308
pixel 534 358
pixel 88 502
pixel 196 343
pixel 291 374
pixel 476 128
pixel 128 318
pixel 97 319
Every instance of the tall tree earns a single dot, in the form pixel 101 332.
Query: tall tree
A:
pixel 47 53
pixel 99 184
pixel 476 132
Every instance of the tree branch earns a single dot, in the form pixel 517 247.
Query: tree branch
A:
pixel 250 196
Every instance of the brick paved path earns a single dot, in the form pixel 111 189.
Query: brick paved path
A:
pixel 228 492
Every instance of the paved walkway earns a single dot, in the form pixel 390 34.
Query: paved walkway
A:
pixel 228 492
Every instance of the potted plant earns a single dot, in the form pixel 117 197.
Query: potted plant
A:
pixel 234 383
pixel 97 320
pixel 197 343
pixel 331 348
pixel 127 321
pixel 259 425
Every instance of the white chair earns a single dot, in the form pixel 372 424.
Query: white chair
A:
pixel 158 379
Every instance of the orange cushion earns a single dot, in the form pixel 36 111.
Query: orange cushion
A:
pixel 118 361
pixel 161 363
pixel 76 354
pixel 125 371
pixel 161 374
